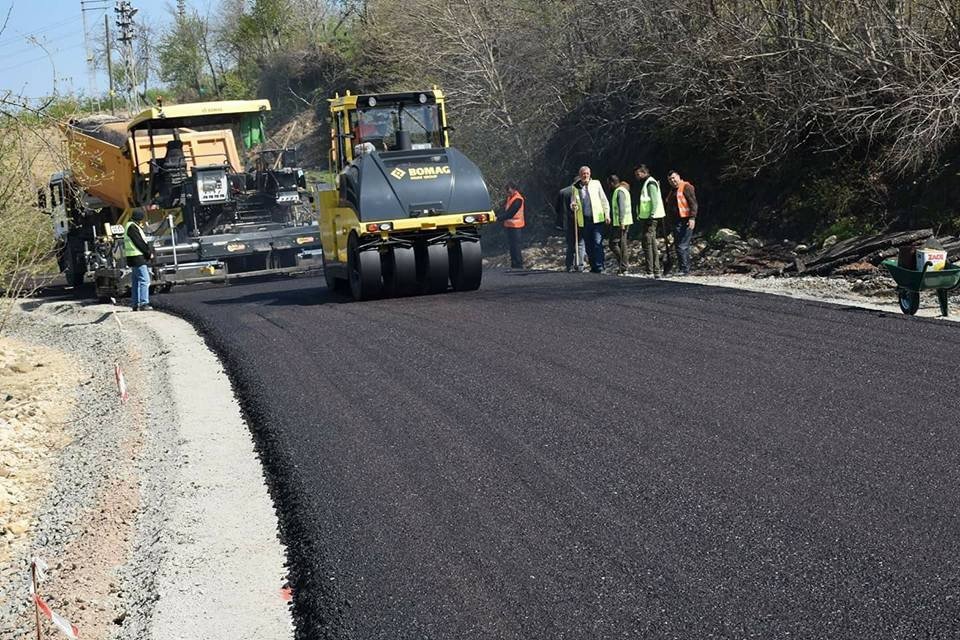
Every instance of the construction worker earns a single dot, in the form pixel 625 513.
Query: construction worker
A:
pixel 566 222
pixel 621 217
pixel 138 253
pixel 513 221
pixel 649 210
pixel 592 211
pixel 682 206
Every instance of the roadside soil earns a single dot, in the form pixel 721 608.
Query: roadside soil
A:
pixel 153 515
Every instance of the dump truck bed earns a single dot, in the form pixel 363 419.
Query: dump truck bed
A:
pixel 101 167
pixel 102 159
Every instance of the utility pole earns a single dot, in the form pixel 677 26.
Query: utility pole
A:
pixel 146 65
pixel 106 32
pixel 125 13
pixel 87 6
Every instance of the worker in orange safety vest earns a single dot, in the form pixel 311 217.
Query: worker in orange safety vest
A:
pixel 682 206
pixel 513 222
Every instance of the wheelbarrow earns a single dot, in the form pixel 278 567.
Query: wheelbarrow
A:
pixel 911 282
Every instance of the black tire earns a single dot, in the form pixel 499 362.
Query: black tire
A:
pixel 433 268
pixel 365 273
pixel 400 272
pixel 909 300
pixel 466 265
pixel 74 267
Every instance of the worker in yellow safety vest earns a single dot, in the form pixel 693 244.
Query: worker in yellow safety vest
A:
pixel 591 211
pixel 513 221
pixel 649 211
pixel 138 253
pixel 621 217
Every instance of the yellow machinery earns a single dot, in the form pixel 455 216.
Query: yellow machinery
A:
pixel 406 212
pixel 209 217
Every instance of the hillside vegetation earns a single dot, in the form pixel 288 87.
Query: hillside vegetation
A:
pixel 792 117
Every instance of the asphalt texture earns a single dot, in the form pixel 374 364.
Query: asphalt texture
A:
pixel 575 456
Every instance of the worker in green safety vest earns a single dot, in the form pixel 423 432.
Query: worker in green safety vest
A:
pixel 621 214
pixel 138 254
pixel 591 210
pixel 649 211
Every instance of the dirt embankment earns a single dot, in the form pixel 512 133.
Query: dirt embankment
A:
pixel 153 513
pixel 36 399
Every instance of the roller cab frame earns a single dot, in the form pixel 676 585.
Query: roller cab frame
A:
pixel 405 215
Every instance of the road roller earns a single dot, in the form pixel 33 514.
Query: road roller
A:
pixel 404 215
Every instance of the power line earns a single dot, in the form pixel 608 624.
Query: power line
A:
pixel 25 62
pixel 33 47
pixel 66 30
pixel 55 25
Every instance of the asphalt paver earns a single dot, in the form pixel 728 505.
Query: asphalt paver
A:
pixel 577 456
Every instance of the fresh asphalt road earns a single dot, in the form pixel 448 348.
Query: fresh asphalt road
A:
pixel 577 456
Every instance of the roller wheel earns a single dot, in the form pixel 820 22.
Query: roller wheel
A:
pixel 466 265
pixel 400 272
pixel 364 268
pixel 909 300
pixel 433 268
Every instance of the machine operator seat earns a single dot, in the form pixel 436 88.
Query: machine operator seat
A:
pixel 171 174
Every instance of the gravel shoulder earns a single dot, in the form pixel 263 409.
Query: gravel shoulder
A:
pixel 840 291
pixel 153 514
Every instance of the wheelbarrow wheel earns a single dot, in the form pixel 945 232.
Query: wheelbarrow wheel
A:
pixel 909 300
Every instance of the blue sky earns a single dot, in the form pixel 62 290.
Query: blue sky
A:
pixel 57 25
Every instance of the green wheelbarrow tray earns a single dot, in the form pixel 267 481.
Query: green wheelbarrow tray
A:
pixel 911 282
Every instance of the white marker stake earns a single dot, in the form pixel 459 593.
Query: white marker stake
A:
pixel 121 382
pixel 38 573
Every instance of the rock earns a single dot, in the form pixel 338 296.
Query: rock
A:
pixel 19 367
pixel 726 235
pixel 5 471
pixel 19 527
pixel 828 242
pixel 755 243
pixel 120 617
pixel 801 248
